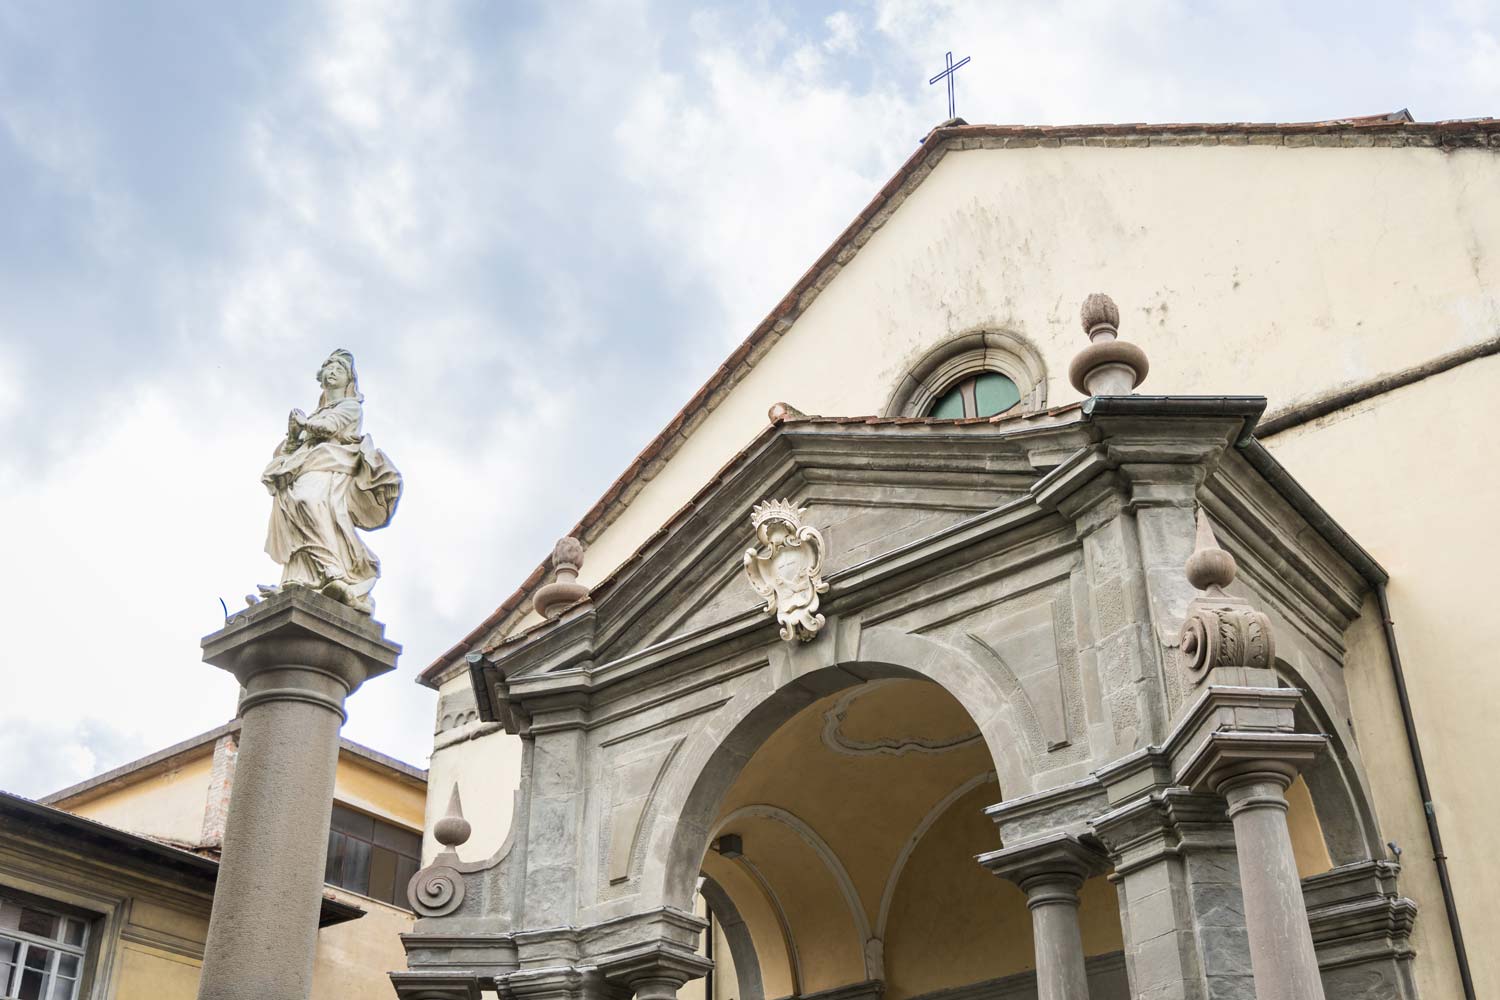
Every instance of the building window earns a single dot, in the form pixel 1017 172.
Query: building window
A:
pixel 41 952
pixel 975 374
pixel 982 395
pixel 371 857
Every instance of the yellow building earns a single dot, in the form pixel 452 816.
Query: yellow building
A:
pixel 106 887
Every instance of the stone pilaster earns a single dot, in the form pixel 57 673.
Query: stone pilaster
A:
pixel 554 811
pixel 1252 771
pixel 298 656
pixel 1180 906
pixel 1050 871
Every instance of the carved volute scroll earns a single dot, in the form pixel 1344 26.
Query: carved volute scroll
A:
pixel 785 567
pixel 1220 630
pixel 438 889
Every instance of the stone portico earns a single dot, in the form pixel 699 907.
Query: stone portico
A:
pixel 1024 752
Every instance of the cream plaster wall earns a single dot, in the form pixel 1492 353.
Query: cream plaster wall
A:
pixel 151 974
pixel 1274 270
pixel 376 792
pixel 169 805
pixel 1411 475
pixel 487 771
pixel 353 958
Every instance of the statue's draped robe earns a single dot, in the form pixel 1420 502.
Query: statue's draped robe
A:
pixel 334 482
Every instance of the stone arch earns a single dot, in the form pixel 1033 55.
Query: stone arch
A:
pixel 1340 797
pixel 741 947
pixel 967 354
pixel 681 819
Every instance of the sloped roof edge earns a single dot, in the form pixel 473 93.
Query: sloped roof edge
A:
pixel 164 756
pixel 1384 130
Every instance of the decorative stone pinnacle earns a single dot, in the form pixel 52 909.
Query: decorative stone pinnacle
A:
pixel 1108 366
pixel 564 590
pixel 783 411
pixel 1221 632
pixel 1209 568
pixel 452 830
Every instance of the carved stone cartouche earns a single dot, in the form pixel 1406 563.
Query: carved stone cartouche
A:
pixel 785 568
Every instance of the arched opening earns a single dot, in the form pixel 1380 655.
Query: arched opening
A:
pixel 1328 808
pixel 844 841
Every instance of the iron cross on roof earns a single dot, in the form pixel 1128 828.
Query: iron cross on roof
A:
pixel 952 67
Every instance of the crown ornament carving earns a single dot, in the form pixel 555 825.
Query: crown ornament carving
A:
pixel 1221 631
pixel 786 566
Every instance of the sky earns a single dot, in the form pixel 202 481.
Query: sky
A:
pixel 538 227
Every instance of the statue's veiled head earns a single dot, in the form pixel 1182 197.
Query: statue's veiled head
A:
pixel 338 378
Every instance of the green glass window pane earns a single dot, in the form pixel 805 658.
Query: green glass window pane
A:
pixel 995 394
pixel 949 406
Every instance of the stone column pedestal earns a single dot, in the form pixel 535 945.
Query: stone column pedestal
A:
pixel 298 655
pixel 1050 871
pixel 1252 771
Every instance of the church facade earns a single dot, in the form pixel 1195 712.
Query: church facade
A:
pixel 941 648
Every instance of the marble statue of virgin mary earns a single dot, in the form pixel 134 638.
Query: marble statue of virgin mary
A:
pixel 328 478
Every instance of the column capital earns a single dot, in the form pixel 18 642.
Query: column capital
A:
pixel 435 985
pixel 300 628
pixel 1229 759
pixel 1049 869
pixel 655 971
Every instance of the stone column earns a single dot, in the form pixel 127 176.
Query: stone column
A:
pixel 298 656
pixel 1252 771
pixel 1050 871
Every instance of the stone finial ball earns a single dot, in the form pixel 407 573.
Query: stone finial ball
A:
pixel 1099 310
pixel 1209 566
pixel 567 552
pixel 451 831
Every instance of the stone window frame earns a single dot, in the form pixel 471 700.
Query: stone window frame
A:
pixel 966 355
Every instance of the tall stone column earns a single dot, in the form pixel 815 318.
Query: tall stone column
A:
pixel 1050 871
pixel 298 655
pixel 1252 771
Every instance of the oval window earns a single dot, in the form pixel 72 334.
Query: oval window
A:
pixel 982 395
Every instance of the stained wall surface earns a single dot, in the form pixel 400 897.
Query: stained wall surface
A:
pixel 1410 475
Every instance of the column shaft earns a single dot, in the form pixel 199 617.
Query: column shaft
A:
pixel 263 932
pixel 1281 946
pixel 1060 970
